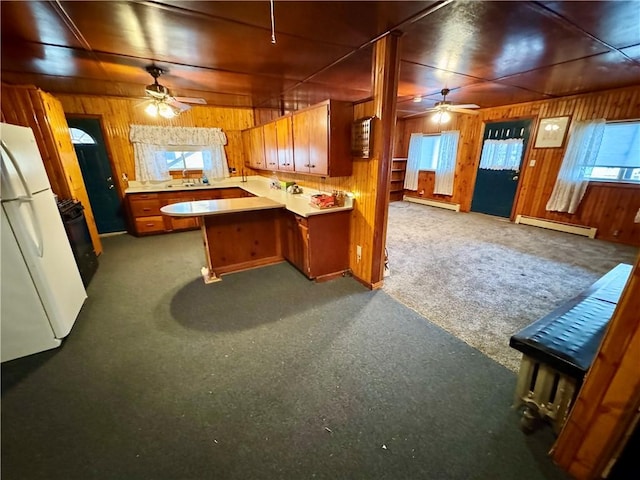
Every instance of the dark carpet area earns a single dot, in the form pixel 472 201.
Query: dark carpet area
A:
pixel 264 375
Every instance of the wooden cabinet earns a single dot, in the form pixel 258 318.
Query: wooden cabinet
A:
pixel 253 143
pixel 145 213
pixel 278 145
pixel 178 223
pixel 313 141
pixel 398 169
pixel 321 136
pixel 318 245
pixel 270 146
pixel 146 217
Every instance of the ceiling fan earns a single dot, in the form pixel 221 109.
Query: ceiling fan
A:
pixel 161 102
pixel 443 107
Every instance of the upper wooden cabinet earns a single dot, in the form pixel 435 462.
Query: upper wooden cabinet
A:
pixel 284 144
pixel 253 143
pixel 313 141
pixel 321 139
pixel 270 145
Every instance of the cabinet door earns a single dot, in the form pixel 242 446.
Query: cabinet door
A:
pixel 311 140
pixel 271 146
pixel 178 223
pixel 253 143
pixel 295 242
pixel 285 144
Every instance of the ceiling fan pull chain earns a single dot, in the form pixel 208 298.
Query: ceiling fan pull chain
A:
pixel 273 24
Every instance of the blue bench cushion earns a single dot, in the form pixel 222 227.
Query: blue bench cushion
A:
pixel 568 338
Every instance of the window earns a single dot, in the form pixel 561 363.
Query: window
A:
pixel 430 146
pixel 618 158
pixel 80 137
pixel 183 158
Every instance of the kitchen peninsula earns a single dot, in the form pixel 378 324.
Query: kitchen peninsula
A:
pixel 260 226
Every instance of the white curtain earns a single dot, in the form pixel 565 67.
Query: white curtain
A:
pixel 502 154
pixel 446 167
pixel 581 154
pixel 149 162
pixel 413 162
pixel 149 141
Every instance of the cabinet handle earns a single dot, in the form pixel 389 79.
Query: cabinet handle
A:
pixel 149 224
pixel 312 166
pixel 146 209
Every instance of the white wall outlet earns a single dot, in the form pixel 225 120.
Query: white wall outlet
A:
pixel 358 253
pixel 532 162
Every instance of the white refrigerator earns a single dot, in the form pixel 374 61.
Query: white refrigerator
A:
pixel 41 291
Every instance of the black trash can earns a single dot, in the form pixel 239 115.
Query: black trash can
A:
pixel 75 225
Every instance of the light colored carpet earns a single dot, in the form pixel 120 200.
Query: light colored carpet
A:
pixel 482 278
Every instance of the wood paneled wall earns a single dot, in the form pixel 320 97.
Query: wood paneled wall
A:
pixel 118 114
pixel 608 207
pixel 610 396
pixel 30 107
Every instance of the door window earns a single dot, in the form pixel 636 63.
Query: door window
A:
pixel 80 137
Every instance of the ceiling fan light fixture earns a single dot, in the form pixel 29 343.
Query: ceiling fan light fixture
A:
pixel 152 109
pixel 441 117
pixel 166 111
pixel 417 99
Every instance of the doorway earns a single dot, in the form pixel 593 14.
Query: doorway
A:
pixel 495 189
pixel 89 144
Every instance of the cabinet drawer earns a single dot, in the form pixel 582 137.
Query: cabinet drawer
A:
pixel 145 208
pixel 150 224
pixel 142 196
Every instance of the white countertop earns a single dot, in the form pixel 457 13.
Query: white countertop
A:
pixel 256 185
pixel 217 207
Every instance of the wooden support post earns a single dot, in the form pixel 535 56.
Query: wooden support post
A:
pixel 386 68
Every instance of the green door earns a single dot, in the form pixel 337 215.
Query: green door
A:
pixel 97 174
pixel 495 190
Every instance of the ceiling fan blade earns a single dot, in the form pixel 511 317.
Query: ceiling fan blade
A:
pixel 176 104
pixel 199 101
pixel 465 105
pixel 417 114
pixel 463 110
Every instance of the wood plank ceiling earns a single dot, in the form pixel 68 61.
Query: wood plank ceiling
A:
pixel 488 53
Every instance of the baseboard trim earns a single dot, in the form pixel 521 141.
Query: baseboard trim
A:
pixel 433 203
pixel 559 226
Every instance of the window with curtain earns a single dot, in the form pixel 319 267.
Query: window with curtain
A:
pixel 502 154
pixel 159 150
pixel 432 152
pixel 582 151
pixel 618 158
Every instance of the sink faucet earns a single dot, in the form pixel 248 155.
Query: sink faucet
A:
pixel 184 175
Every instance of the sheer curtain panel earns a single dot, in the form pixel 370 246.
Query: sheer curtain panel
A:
pixel 446 167
pixel 413 162
pixel 581 154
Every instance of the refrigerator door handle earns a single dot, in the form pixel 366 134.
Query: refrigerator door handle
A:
pixel 15 164
pixel 27 199
pixel 36 225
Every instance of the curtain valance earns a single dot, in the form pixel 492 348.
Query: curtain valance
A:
pixel 191 136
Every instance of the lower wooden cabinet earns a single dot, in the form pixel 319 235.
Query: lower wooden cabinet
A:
pixel 146 218
pixel 318 245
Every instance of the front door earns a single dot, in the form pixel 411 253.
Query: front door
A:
pixel 495 190
pixel 97 174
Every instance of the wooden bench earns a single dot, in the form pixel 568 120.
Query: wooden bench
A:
pixel 559 348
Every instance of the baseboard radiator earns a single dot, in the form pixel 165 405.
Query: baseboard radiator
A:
pixel 433 203
pixel 559 226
